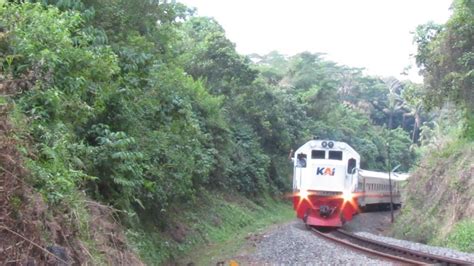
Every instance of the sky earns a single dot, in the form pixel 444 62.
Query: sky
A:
pixel 371 34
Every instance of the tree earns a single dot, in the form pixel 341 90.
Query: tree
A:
pixel 446 58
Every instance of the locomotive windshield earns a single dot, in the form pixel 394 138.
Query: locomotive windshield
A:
pixel 318 154
pixel 335 155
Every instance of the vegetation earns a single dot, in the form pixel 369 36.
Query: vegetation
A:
pixel 440 192
pixel 446 56
pixel 144 107
pixel 209 230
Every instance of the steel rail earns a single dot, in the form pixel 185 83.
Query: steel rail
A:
pixel 364 249
pixel 416 255
pixel 388 251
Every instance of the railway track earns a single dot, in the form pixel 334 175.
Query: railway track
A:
pixel 387 251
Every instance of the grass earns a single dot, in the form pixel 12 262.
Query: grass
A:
pixel 216 226
pixel 461 237
pixel 229 238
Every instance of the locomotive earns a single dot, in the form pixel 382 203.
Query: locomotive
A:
pixel 329 187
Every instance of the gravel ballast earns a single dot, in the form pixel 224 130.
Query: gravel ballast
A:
pixel 421 247
pixel 293 244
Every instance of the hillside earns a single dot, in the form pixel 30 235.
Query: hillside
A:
pixel 439 200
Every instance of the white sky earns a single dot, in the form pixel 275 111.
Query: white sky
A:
pixel 373 34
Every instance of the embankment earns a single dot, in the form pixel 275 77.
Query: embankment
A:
pixel 439 200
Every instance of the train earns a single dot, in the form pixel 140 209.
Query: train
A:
pixel 329 187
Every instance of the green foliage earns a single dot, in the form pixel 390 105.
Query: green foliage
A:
pixel 462 236
pixel 446 57
pixel 55 171
pixel 119 165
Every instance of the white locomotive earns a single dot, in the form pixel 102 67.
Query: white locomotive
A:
pixel 329 186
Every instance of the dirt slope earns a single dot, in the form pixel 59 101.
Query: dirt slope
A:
pixel 439 195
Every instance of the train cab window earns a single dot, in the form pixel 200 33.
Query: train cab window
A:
pixel 318 154
pixel 335 155
pixel 301 160
pixel 351 165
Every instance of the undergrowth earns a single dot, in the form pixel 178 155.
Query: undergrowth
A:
pixel 212 221
pixel 461 237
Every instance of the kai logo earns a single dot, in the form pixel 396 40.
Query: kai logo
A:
pixel 325 171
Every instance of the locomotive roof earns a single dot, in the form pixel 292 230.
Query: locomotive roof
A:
pixel 317 144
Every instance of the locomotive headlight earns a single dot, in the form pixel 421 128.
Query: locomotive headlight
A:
pixel 304 194
pixel 347 195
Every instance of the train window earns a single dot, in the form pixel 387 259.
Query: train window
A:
pixel 301 160
pixel 335 155
pixel 318 154
pixel 351 165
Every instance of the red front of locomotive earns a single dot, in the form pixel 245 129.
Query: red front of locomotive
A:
pixel 324 209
